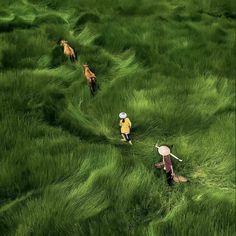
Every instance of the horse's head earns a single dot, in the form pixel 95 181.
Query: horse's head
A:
pixel 63 42
pixel 85 66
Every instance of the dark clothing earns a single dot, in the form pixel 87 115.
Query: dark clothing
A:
pixel 168 166
pixel 127 137
pixel 169 178
pixel 167 163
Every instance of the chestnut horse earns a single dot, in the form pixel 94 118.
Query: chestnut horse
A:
pixel 68 50
pixel 91 78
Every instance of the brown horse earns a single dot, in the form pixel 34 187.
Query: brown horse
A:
pixel 68 50
pixel 91 78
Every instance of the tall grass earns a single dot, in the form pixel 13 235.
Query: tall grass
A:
pixel 169 65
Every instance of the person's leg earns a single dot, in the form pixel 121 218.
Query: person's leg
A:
pixel 123 138
pixel 129 139
pixel 169 178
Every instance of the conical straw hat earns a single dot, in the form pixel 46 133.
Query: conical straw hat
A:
pixel 164 150
pixel 122 115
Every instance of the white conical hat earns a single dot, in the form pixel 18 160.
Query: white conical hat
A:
pixel 122 115
pixel 164 150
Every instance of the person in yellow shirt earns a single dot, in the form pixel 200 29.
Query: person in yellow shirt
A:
pixel 125 125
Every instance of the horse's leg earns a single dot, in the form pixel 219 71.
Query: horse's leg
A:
pixel 94 85
pixel 91 88
pixel 74 56
pixel 71 58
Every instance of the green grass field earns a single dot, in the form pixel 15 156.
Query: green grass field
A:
pixel 170 64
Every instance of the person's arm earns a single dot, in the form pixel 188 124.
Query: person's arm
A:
pixel 172 171
pixel 171 167
pixel 163 160
pixel 130 124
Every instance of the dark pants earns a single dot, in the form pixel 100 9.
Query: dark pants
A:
pixel 169 178
pixel 127 137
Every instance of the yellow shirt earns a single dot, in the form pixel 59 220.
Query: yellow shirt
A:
pixel 125 126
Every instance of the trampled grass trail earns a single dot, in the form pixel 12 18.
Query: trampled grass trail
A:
pixel 169 65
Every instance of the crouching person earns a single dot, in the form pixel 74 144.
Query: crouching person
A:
pixel 168 167
pixel 167 163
